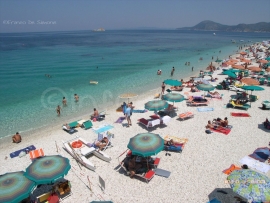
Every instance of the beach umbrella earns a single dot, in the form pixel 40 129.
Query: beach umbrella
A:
pixel 254 69
pixel 172 82
pixel 238 67
pixel 268 64
pixel 250 184
pixel 267 70
pixel 218 60
pixel 205 87
pixel 48 169
pixel 156 105
pixel 261 154
pixel 127 96
pixel 173 97
pixel 268 58
pixel 230 74
pixel 263 61
pixel 243 53
pixel 14 187
pixel 250 81
pixel 252 88
pixel 146 144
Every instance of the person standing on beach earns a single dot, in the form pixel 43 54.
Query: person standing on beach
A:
pixel 64 101
pixel 192 68
pixel 172 71
pixel 58 110
pixel 163 88
pixel 76 97
pixel 128 112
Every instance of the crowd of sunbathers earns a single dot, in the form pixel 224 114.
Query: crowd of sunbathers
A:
pixel 217 123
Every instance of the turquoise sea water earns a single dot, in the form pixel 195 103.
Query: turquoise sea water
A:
pixel 121 61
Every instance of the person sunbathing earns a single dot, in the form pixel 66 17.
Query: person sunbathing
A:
pixel 225 122
pixel 101 144
pixel 210 125
pixel 67 126
pixel 95 114
pixel 213 93
pixel 133 167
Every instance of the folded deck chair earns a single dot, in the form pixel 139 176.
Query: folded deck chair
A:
pixel 149 123
pixel 245 106
pixel 87 124
pixel 185 115
pixel 36 153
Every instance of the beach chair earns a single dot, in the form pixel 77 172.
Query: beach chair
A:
pixel 146 176
pixel 245 106
pixel 74 124
pixel 203 102
pixel 87 124
pixel 219 87
pixel 109 136
pixel 253 98
pixel 70 130
pixel 149 123
pixel 262 81
pixel 186 115
pixel 36 153
pixel 266 104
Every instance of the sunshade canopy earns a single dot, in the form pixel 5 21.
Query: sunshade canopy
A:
pixel 252 88
pixel 48 169
pixel 14 187
pixel 156 105
pixel 250 184
pixel 173 97
pixel 146 144
pixel 172 82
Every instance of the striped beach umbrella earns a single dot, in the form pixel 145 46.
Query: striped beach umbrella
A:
pixel 146 144
pixel 47 169
pixel 156 105
pixel 14 187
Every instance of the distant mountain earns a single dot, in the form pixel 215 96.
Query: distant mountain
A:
pixel 208 25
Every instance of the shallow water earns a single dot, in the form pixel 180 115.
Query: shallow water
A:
pixel 121 61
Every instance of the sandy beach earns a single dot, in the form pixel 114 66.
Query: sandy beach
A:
pixel 195 172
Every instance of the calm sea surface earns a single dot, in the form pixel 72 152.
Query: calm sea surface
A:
pixel 121 61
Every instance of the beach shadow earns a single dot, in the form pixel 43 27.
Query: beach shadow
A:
pixel 261 126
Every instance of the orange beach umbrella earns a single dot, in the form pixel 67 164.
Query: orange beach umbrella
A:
pixel 243 53
pixel 263 61
pixel 238 67
pixel 255 69
pixel 250 81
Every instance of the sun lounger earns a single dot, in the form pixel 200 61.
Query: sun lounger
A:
pixel 163 173
pixel 146 176
pixel 36 153
pixel 74 124
pixel 149 123
pixel 70 130
pixel 197 102
pixel 87 124
pixel 109 136
pixel 266 104
pixel 245 106
pixel 185 115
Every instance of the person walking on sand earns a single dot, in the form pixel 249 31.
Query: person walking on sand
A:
pixel 76 97
pixel 172 71
pixel 58 110
pixel 64 101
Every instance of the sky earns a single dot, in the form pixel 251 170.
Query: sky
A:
pixel 69 15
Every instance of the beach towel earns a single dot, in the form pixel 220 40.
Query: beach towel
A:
pixel 120 119
pixel 253 163
pixel 225 131
pixel 240 114
pixel 139 111
pixel 103 128
pixel 205 109
pixel 27 149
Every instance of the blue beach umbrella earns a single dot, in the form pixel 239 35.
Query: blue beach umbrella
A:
pixel 250 184
pixel 14 187
pixel 172 82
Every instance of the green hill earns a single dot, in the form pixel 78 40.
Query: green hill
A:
pixel 208 25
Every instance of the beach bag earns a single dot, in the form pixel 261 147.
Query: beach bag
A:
pixel 208 131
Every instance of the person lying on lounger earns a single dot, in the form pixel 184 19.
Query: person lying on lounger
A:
pixel 213 93
pixel 101 144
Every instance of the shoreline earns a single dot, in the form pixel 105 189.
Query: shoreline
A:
pixel 196 172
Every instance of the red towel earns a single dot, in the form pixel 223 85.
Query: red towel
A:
pixel 240 114
pixel 225 131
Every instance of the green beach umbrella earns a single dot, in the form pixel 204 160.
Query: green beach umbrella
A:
pixel 268 58
pixel 174 97
pixel 268 64
pixel 172 82
pixel 14 187
pixel 230 74
pixel 250 184
pixel 235 70
pixel 218 60
pixel 47 169
pixel 146 144
pixel 205 87
pixel 156 105
pixel 252 88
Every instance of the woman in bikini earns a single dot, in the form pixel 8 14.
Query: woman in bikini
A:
pixel 58 110
pixel 163 88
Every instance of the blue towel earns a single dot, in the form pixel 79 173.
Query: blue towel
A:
pixel 139 111
pixel 103 129
pixel 205 109
pixel 16 153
